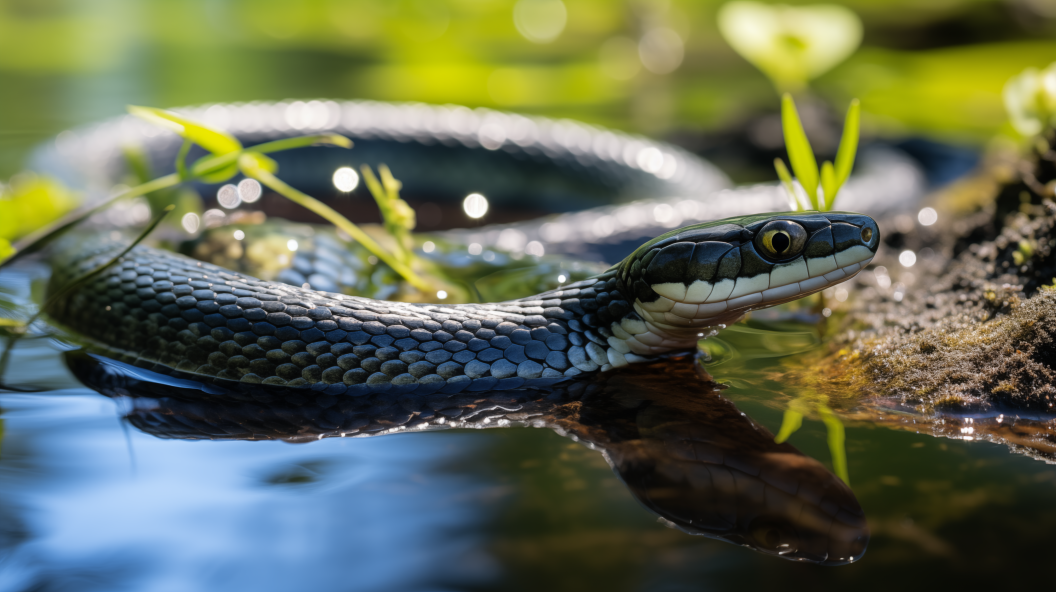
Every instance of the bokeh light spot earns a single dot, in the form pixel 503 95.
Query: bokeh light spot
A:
pixel 475 205
pixel 346 179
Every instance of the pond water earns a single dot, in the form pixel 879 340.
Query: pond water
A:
pixel 93 499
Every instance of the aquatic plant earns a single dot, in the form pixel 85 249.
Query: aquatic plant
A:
pixel 397 215
pixel 790 44
pixel 227 158
pixel 836 435
pixel 830 177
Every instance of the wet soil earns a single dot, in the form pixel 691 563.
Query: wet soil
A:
pixel 970 327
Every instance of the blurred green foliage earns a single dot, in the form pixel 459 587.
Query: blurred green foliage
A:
pixel 29 202
pixel 656 66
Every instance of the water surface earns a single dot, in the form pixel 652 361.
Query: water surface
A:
pixel 90 502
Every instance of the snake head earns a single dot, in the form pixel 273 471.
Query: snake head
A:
pixel 711 274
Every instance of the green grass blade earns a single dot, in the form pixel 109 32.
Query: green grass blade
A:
pixel 137 163
pixel 792 421
pixel 250 168
pixel 181 159
pixel 837 442
pixel 214 140
pixel 800 154
pixel 98 270
pixel 43 237
pixel 301 142
pixel 829 187
pixel 786 180
pixel 848 143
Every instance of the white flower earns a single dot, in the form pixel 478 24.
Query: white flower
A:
pixel 790 44
pixel 1030 99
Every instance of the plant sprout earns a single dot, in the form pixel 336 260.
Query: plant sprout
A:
pixel 398 216
pixel 830 177
pixel 790 44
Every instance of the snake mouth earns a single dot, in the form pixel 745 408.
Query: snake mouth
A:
pixel 708 275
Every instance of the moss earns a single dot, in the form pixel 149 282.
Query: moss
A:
pixel 973 326
pixel 979 336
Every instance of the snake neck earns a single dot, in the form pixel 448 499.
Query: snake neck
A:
pixel 608 329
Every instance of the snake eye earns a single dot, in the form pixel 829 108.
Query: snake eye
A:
pixel 781 240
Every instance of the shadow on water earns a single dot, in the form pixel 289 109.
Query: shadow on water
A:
pixel 683 450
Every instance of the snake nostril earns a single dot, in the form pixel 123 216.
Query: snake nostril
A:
pixel 867 234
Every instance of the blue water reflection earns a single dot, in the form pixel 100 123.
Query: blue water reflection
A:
pixel 88 503
pixel 102 511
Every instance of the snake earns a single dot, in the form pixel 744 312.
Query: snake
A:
pixel 170 313
pixel 684 451
pixel 173 314
pixel 204 351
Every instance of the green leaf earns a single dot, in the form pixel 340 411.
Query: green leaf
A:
pixel 250 166
pixel 829 186
pixel 848 143
pixel 214 140
pixel 837 442
pixel 792 421
pixel 221 175
pixel 800 154
pixel 137 162
pixel 181 159
pixel 786 180
pixel 215 169
pixel 301 142
pixel 265 162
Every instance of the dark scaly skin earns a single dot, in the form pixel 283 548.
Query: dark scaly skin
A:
pixel 171 314
pixel 684 451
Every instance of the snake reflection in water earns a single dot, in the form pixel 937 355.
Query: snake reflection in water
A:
pixel 683 450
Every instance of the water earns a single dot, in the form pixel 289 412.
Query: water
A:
pixel 90 502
